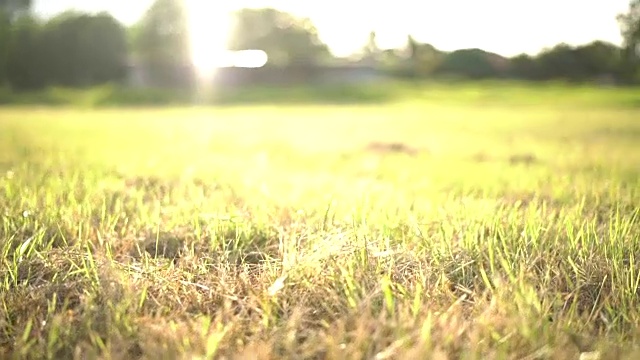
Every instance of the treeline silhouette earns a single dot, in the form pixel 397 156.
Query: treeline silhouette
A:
pixel 79 50
pixel 597 61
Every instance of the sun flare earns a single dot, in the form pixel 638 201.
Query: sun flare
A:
pixel 210 26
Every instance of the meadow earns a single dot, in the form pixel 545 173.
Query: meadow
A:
pixel 452 222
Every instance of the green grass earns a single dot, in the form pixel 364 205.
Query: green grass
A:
pixel 448 227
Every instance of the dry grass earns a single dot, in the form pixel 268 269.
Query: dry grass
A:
pixel 263 233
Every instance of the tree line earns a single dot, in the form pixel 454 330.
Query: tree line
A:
pixel 77 49
pixel 596 61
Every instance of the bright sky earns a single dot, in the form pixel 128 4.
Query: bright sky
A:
pixel 507 27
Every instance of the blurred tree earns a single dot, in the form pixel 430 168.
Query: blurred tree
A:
pixel 13 8
pixel 473 64
pixel 394 61
pixel 24 57
pixel 371 51
pixel 412 47
pixel 630 30
pixel 286 39
pixel 161 42
pixel 593 61
pixel 5 33
pixel 559 62
pixel 573 64
pixel 414 60
pixel 372 43
pixel 525 67
pixel 9 11
pixel 109 49
pixel 84 50
pixel 425 58
pixel 599 58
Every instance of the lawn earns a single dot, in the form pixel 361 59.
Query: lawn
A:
pixel 456 226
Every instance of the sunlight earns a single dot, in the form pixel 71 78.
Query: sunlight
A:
pixel 249 58
pixel 210 25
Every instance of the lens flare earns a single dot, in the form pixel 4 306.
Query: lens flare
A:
pixel 210 25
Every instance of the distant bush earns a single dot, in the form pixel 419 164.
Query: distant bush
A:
pixel 49 97
pixel 448 90
pixel 119 96
pixel 113 95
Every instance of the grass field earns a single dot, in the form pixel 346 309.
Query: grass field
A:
pixel 501 228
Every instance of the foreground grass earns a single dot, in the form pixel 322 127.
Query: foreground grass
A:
pixel 413 230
